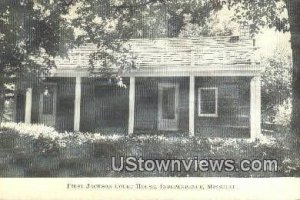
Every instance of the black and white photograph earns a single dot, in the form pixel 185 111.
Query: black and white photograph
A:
pixel 185 96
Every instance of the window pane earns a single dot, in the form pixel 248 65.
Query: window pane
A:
pixel 48 104
pixel 208 101
pixel 168 103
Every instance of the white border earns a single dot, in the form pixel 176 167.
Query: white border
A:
pixel 59 188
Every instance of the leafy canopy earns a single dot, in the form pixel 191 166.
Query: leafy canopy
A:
pixel 35 29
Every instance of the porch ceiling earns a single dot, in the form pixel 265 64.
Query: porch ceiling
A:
pixel 233 70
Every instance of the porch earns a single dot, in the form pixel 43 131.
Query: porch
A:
pixel 230 105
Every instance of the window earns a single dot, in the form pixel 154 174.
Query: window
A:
pixel 48 103
pixel 208 102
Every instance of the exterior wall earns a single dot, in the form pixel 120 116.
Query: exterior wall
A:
pixel 20 106
pixel 110 106
pixel 87 107
pixel 103 105
pixel 35 105
pixel 146 101
pixel 20 97
pixel 65 103
pixel 233 108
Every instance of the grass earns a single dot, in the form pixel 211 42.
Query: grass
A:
pixel 29 152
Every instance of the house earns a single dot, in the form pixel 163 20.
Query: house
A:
pixel 205 86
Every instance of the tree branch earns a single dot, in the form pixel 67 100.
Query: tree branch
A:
pixel 124 5
pixel 68 2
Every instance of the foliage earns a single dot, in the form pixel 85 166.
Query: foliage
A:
pixel 258 14
pixel 219 23
pixel 276 81
pixel 30 35
pixel 283 113
pixel 39 131
pixel 30 30
pixel 46 146
pixel 42 156
pixel 49 25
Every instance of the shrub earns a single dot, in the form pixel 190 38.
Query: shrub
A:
pixel 7 141
pixel 38 153
pixel 46 146
pixel 284 113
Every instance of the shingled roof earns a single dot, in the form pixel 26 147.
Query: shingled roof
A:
pixel 201 52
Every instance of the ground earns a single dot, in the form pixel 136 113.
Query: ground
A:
pixel 38 151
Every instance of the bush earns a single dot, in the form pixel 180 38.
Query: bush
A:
pixel 33 151
pixel 46 146
pixel 284 113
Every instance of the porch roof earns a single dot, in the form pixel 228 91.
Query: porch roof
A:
pixel 176 55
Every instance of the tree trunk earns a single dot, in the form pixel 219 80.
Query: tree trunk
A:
pixel 293 7
pixel 2 99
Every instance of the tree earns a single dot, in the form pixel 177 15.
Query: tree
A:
pixel 293 7
pixel 218 23
pixel 29 30
pixel 276 82
pixel 270 13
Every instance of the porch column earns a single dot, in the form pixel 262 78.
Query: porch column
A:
pixel 77 104
pixel 192 107
pixel 28 105
pixel 255 107
pixel 131 105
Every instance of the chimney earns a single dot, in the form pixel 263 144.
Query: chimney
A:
pixel 245 30
pixel 242 32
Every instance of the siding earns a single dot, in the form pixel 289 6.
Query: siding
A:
pixel 87 108
pixel 20 106
pixel 65 103
pixel 35 105
pixel 111 106
pixel 146 101
pixel 233 108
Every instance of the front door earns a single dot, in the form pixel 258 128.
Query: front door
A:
pixel 47 111
pixel 168 106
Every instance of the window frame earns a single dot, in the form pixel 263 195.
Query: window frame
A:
pixel 51 95
pixel 52 87
pixel 216 102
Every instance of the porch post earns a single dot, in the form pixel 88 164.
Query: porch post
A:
pixel 77 104
pixel 255 107
pixel 131 105
pixel 192 107
pixel 28 105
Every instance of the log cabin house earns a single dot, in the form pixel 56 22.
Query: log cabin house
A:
pixel 204 86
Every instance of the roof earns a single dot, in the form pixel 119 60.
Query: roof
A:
pixel 197 52
pixel 186 54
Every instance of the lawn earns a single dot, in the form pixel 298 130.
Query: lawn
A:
pixel 39 151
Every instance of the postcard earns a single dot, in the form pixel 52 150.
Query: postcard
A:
pixel 149 99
